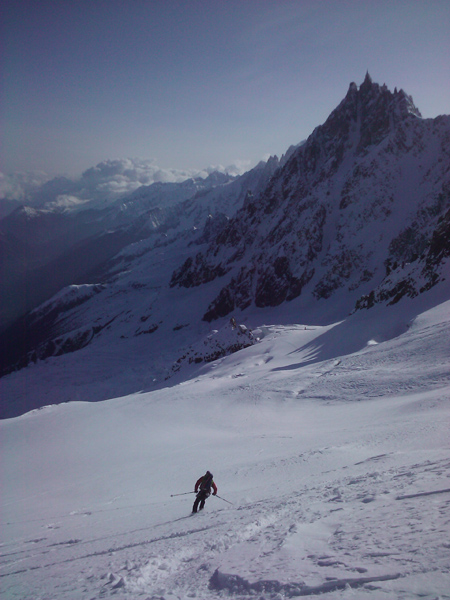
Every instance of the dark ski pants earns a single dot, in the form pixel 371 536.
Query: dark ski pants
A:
pixel 200 499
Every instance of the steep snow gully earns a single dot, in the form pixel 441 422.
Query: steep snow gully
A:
pixel 338 469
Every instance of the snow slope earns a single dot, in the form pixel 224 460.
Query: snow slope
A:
pixel 335 457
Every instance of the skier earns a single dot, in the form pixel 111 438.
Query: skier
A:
pixel 203 487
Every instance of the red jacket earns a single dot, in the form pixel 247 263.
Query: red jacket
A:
pixel 214 486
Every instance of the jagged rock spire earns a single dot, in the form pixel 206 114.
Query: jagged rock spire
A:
pixel 367 84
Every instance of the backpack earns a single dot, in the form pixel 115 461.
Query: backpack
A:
pixel 205 485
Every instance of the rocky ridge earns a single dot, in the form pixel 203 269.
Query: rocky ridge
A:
pixel 366 189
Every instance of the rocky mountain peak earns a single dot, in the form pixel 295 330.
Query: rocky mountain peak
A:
pixel 331 214
pixel 367 115
pixel 405 104
pixel 368 85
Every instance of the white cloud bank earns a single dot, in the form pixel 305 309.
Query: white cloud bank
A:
pixel 108 180
pixel 18 186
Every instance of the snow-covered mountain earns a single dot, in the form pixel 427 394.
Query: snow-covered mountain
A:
pixel 366 194
pixel 288 330
pixel 357 214
pixel 52 244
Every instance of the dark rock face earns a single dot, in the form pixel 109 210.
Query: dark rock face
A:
pixel 213 226
pixel 217 344
pixel 417 276
pixel 196 271
pixel 362 191
pixel 40 335
pixel 274 284
pixel 439 248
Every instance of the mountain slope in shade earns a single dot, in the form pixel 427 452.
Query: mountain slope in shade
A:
pixel 44 249
pixel 65 244
pixel 127 303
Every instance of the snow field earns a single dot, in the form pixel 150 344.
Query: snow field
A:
pixel 338 468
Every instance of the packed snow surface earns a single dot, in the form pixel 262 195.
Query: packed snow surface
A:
pixel 331 459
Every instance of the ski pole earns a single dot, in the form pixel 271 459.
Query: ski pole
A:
pixel 217 496
pixel 183 494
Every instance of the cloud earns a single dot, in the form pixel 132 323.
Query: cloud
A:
pixel 106 181
pixel 126 174
pixel 18 186
pixel 65 201
pixel 238 167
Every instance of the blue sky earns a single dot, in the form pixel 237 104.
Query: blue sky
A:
pixel 190 83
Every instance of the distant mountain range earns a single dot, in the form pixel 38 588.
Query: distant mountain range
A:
pixel 358 214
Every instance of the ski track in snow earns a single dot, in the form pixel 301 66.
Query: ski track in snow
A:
pixel 339 474
pixel 355 528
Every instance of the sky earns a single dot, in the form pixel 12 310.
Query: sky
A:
pixel 187 84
